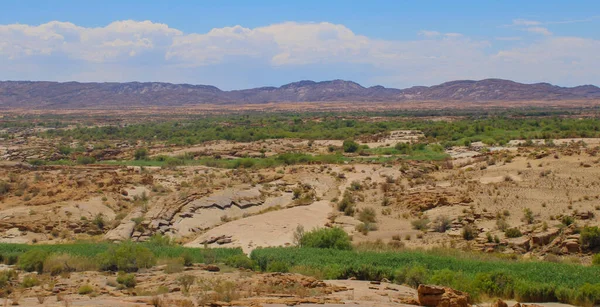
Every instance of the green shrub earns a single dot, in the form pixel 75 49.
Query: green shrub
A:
pixel 158 239
pixel 590 237
pixel 127 280
pixel 30 281
pixel 567 220
pixel 278 266
pixel 534 292
pixel 403 148
pixel 596 259
pixel 412 276
pixel 454 279
pixel 335 238
pixel 588 294
pixel 240 261
pixel 188 260
pixel 513 233
pixel 33 260
pixel 85 289
pixel 346 205
pixel 350 146
pixel 127 256
pixel 499 284
pixel 528 216
pixel 86 160
pixel 141 154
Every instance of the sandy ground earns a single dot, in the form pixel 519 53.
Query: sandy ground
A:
pixel 274 228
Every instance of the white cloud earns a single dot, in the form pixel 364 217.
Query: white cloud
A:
pixel 428 33
pixel 132 50
pixel 525 22
pixel 539 30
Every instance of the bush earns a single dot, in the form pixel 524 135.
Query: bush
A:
pixel 186 281
pixel 497 284
pixel 127 280
pixel 350 146
pixel 596 259
pixel 278 266
pixel 421 224
pixel 173 265
pixel 4 187
pixel 335 238
pixel 403 148
pixel 346 205
pixel 588 294
pixel 468 233
pixel 127 257
pixel 590 237
pixel 441 223
pixel 513 233
pixel 86 160
pixel 58 263
pixel 85 289
pixel 367 215
pixel 412 276
pixel 240 261
pixel 567 220
pixel 6 277
pixel 454 279
pixel 141 154
pixel 364 228
pixel 528 216
pixel 33 260
pixel 30 281
pixel 188 260
pixel 158 239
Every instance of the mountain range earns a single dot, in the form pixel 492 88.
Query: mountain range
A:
pixel 66 95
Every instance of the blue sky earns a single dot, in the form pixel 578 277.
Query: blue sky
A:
pixel 240 44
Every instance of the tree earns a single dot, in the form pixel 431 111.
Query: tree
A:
pixel 141 153
pixel 335 238
pixel 350 146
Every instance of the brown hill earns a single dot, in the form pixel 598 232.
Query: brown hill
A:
pixel 55 95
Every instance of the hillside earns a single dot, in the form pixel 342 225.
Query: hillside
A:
pixel 56 95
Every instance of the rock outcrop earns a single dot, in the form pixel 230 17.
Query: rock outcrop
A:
pixel 434 296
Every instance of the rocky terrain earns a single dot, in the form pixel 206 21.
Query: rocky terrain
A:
pixel 75 95
pixel 522 201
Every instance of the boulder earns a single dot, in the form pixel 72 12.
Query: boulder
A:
pixel 520 243
pixel 499 303
pixel 544 238
pixel 434 296
pixel 570 246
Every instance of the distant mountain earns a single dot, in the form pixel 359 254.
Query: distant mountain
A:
pixel 55 95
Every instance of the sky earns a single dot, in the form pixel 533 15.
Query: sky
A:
pixel 238 44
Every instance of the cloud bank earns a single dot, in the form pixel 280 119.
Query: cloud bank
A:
pixel 234 57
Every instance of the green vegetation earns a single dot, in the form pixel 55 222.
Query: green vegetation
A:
pixel 513 233
pixel 273 161
pixel 476 274
pixel 475 126
pixel 31 257
pixel 127 280
pixel 350 146
pixel 590 237
pixel 334 238
pixel 127 257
